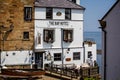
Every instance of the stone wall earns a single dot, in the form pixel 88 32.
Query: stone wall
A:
pixel 12 12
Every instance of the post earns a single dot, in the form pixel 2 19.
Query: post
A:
pixel 62 47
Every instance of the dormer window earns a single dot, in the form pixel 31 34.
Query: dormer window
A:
pixel 68 35
pixel 49 13
pixel 48 35
pixel 68 14
pixel 27 13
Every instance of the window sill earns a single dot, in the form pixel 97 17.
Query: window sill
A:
pixel 26 39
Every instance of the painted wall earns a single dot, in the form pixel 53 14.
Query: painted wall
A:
pixel 77 39
pixel 66 54
pixel 91 48
pixel 76 24
pixel 16 57
pixel 113 43
pixel 40 13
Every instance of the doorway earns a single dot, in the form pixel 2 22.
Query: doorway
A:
pixel 39 59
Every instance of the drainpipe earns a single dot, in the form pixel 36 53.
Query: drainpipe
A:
pixel 62 47
pixel 83 52
pixel 105 52
pixel 103 25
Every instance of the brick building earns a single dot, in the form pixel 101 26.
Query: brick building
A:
pixel 16 31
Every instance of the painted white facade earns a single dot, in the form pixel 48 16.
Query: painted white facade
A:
pixel 16 57
pixel 59 46
pixel 55 47
pixel 91 48
pixel 112 43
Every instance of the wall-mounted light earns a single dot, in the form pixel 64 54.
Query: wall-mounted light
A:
pixel 13 53
pixel 68 50
pixel 29 54
pixel 6 54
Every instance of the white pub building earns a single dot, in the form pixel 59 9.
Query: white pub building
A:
pixel 59 33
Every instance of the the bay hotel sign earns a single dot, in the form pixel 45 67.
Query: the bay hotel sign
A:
pixel 58 23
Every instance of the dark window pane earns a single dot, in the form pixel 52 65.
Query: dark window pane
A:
pixel 67 14
pixel 28 13
pixel 48 13
pixel 76 56
pixel 25 35
pixel 89 54
pixel 57 56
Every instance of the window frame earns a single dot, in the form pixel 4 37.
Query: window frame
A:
pixel 67 14
pixel 58 58
pixel 26 35
pixel 76 55
pixel 89 54
pixel 49 13
pixel 26 10
pixel 68 35
pixel 48 35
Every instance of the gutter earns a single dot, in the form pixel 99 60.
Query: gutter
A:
pixel 103 26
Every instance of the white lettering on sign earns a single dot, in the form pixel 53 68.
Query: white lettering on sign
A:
pixel 55 23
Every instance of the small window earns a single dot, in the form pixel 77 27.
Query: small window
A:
pixel 49 36
pixel 26 35
pixel 57 56
pixel 68 14
pixel 27 13
pixel 76 56
pixel 48 13
pixel 68 35
pixel 89 54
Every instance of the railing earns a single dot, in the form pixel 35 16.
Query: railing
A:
pixel 72 72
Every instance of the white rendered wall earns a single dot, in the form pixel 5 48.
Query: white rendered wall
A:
pixel 40 13
pixel 113 44
pixel 55 10
pixel 76 24
pixel 20 57
pixel 93 49
pixel 77 27
pixel 77 14
pixel 65 55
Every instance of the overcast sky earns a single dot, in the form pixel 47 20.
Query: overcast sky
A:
pixel 95 10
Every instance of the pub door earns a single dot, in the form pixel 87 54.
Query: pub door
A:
pixel 39 59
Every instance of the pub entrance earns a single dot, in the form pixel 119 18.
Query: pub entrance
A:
pixel 39 60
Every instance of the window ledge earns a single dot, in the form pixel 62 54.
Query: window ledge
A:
pixel 26 39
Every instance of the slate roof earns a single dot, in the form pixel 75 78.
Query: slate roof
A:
pixel 57 4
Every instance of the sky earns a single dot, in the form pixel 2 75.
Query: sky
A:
pixel 95 10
